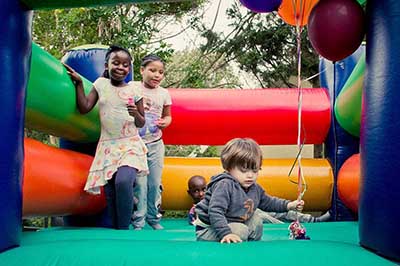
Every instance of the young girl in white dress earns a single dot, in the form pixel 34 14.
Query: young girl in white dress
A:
pixel 120 153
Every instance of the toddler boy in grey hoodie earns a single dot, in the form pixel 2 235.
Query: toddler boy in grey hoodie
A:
pixel 227 212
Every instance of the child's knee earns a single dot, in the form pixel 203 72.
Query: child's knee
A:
pixel 255 221
pixel 240 230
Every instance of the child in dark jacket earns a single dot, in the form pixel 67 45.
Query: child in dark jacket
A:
pixel 197 187
pixel 227 212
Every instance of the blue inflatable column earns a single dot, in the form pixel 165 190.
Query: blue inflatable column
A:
pixel 15 52
pixel 339 144
pixel 379 207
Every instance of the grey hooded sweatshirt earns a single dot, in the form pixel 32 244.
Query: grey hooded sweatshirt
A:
pixel 227 202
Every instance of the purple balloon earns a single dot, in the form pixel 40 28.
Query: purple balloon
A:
pixel 336 28
pixel 261 6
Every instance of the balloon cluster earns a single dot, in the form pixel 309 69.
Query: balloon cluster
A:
pixel 336 28
pixel 293 15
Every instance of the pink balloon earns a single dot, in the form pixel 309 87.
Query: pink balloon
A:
pixel 336 28
pixel 261 6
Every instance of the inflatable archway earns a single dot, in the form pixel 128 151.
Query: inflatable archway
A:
pixel 378 197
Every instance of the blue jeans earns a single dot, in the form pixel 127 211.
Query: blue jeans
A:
pixel 148 188
pixel 285 217
pixel 119 197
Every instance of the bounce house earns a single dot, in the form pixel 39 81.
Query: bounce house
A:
pixel 354 115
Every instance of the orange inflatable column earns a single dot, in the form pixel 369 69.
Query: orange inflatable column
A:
pixel 54 181
pixel 349 182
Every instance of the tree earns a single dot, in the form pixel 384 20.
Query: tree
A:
pixel 263 45
pixel 191 69
pixel 132 26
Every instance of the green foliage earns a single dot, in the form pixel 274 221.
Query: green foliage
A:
pixel 179 150
pixel 131 26
pixel 210 152
pixel 36 222
pixel 194 69
pixel 175 214
pixel 190 151
pixel 42 137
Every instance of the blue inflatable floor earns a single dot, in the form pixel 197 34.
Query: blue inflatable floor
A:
pixel 334 243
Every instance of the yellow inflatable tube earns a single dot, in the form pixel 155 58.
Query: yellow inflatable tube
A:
pixel 273 178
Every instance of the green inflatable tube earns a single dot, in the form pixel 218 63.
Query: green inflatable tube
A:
pixel 50 102
pixel 348 103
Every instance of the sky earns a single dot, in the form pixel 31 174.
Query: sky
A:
pixel 189 38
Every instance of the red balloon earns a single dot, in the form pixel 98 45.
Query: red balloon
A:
pixel 261 6
pixel 336 28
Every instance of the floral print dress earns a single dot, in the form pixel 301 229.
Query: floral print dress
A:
pixel 119 143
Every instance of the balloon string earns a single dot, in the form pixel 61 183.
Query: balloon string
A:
pixel 299 117
pixel 300 176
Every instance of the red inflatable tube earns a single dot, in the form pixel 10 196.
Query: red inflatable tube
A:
pixel 62 194
pixel 214 116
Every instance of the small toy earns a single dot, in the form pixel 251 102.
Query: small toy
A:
pixel 130 101
pixel 297 231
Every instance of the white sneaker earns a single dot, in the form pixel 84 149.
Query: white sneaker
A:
pixel 157 226
pixel 323 218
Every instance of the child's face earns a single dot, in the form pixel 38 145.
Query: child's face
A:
pixel 197 189
pixel 245 177
pixel 152 74
pixel 119 65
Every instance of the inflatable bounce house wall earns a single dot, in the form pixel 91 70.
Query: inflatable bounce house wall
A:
pixel 48 181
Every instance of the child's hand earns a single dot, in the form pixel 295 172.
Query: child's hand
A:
pixel 296 205
pixel 161 123
pixel 132 109
pixel 73 74
pixel 231 238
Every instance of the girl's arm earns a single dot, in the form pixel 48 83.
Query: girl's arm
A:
pixel 84 103
pixel 166 117
pixel 137 111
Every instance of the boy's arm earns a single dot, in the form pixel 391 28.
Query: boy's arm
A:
pixel 218 206
pixel 269 203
